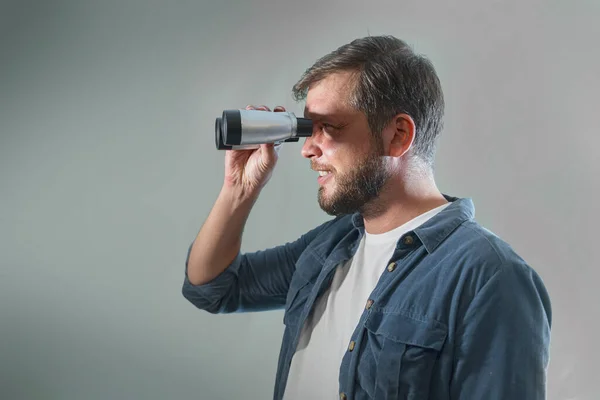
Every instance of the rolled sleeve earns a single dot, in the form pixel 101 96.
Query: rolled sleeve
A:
pixel 254 281
pixel 209 296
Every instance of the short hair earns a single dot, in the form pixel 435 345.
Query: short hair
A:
pixel 391 79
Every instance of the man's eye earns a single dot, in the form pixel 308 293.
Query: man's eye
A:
pixel 329 127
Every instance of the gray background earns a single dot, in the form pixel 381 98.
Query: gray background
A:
pixel 108 168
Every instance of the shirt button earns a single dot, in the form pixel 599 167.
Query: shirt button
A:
pixel 343 396
pixel 351 346
pixel 369 304
pixel 391 266
pixel 408 240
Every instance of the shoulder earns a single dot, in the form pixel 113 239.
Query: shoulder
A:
pixel 487 263
pixel 477 247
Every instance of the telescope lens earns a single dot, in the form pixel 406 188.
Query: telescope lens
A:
pixel 219 136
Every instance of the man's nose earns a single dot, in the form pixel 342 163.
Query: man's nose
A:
pixel 311 148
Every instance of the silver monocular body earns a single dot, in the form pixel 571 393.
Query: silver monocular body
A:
pixel 248 129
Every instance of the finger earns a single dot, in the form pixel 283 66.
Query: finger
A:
pixel 279 109
pixel 263 108
pixel 250 107
pixel 268 153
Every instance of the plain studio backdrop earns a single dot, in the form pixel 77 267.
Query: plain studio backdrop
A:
pixel 108 169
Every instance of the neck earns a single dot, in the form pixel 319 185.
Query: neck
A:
pixel 403 198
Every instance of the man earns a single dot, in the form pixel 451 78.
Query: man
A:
pixel 403 295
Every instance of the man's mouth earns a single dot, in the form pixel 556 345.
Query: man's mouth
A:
pixel 324 176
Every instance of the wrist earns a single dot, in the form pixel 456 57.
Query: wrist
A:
pixel 237 195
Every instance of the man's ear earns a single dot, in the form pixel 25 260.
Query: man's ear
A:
pixel 400 135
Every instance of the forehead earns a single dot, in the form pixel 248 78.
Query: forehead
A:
pixel 331 95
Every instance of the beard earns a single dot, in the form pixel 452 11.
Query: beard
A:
pixel 357 190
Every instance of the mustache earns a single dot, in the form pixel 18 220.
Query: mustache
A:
pixel 320 167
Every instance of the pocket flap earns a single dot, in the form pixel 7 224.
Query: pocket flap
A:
pixel 293 305
pixel 400 327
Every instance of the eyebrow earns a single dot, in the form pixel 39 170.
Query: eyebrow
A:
pixel 318 116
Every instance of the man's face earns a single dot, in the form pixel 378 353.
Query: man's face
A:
pixel 342 148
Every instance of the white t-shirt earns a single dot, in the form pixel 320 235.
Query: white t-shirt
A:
pixel 314 372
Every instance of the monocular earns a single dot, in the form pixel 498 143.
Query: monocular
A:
pixel 248 129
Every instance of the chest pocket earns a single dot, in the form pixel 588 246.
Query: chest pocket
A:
pixel 399 355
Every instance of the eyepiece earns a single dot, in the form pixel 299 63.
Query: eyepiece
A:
pixel 305 127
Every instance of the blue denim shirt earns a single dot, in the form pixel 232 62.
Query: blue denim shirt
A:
pixel 457 315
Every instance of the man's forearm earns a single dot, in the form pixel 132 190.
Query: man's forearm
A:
pixel 219 240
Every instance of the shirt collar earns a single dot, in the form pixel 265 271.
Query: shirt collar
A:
pixel 439 227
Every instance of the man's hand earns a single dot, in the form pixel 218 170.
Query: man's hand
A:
pixel 248 171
